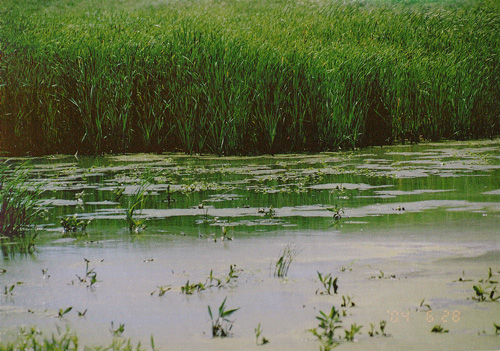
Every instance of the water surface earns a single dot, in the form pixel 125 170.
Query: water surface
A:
pixel 418 222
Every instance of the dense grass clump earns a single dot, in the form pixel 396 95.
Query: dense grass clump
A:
pixel 18 210
pixel 245 77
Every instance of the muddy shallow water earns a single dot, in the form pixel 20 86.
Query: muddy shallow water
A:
pixel 416 223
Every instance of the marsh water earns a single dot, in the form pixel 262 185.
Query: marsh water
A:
pixel 407 230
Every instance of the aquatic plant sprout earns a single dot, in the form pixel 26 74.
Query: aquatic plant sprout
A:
pixel 328 283
pixel 221 324
pixel 136 203
pixel 282 265
pixel 326 330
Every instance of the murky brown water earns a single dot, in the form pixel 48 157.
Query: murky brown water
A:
pixel 415 219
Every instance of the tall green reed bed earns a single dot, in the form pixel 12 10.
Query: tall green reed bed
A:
pixel 245 77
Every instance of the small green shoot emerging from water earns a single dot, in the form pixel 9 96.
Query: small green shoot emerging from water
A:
pixel 325 332
pixel 347 301
pixel 423 304
pixel 485 294
pixel 233 274
pixel 62 312
pixel 211 282
pixel 283 263
pixel 462 278
pixel 8 290
pixel 211 279
pixel 439 329
pixel 497 328
pixel 225 234
pixel 328 324
pixel 136 202
pixel 338 212
pixel 382 327
pixel 374 332
pixel 349 334
pixel 328 284
pixel 90 277
pixel 383 276
pixel 72 224
pixel 269 213
pixel 221 325
pixel 117 331
pixel 162 290
pixel 489 280
pixel 190 289
pixel 348 267
pixel 258 340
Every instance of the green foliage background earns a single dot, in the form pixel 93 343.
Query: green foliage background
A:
pixel 245 77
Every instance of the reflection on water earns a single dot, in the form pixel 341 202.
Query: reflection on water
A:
pixel 396 225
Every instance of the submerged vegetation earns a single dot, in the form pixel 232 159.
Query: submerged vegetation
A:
pixel 245 77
